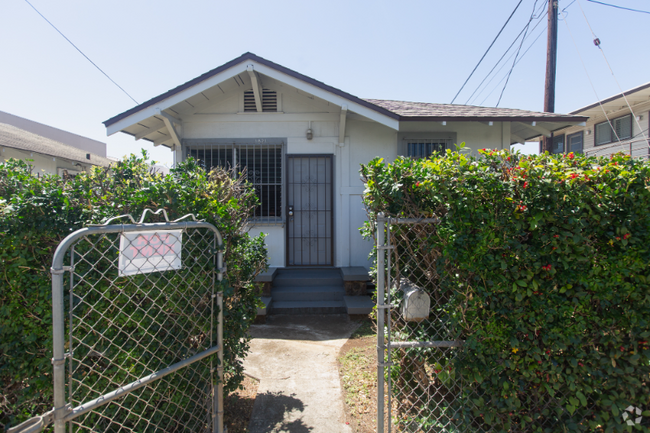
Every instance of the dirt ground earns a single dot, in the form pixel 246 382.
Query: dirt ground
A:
pixel 238 406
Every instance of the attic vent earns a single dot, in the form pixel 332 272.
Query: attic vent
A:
pixel 269 101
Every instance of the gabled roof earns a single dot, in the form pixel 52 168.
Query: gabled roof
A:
pixel 16 138
pixel 150 121
pixel 243 58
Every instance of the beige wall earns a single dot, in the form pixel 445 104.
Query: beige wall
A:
pixel 42 164
pixel 364 140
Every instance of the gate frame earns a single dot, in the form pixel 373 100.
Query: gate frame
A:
pixel 63 412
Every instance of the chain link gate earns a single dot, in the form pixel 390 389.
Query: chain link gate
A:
pixel 416 346
pixel 136 353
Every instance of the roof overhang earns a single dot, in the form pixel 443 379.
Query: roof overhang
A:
pixel 635 96
pixel 153 111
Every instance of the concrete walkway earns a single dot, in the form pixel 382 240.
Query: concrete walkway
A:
pixel 294 358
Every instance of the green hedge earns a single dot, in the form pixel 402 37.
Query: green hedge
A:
pixel 544 268
pixel 36 213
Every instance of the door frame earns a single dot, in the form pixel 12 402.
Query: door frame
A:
pixel 286 194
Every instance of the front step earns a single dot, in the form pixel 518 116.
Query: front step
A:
pixel 313 291
pixel 308 307
pixel 308 291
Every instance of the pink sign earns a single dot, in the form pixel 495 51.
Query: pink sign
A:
pixel 150 251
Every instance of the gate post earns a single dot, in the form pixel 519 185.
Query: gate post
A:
pixel 58 355
pixel 381 311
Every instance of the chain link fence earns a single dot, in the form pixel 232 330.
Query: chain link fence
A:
pixel 421 351
pixel 137 330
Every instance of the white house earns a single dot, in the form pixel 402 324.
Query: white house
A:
pixel 616 124
pixel 302 142
pixel 49 150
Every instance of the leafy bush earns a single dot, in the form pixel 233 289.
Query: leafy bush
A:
pixel 36 213
pixel 541 263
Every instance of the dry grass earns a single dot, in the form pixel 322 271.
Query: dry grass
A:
pixel 238 406
pixel 358 374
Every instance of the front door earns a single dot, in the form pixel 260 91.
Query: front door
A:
pixel 309 210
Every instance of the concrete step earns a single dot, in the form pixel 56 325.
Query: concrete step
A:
pixel 308 293
pixel 358 304
pixel 308 307
pixel 307 277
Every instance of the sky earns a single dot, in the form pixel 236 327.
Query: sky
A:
pixel 411 50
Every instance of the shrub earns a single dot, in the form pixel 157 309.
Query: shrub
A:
pixel 541 263
pixel 36 213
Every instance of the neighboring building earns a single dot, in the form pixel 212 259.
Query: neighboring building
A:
pixel 302 142
pixel 613 126
pixel 50 150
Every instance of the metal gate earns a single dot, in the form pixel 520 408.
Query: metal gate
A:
pixel 416 346
pixel 137 329
pixel 309 210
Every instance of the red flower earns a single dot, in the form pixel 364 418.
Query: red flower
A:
pixel 626 235
pixel 556 236
pixel 617 238
pixel 417 183
pixel 571 155
pixel 573 175
pixel 581 364
pixel 525 184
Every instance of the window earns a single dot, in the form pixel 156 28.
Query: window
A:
pixel 620 129
pixel 262 163
pixel 558 144
pixel 574 142
pixel 419 148
pixel 269 101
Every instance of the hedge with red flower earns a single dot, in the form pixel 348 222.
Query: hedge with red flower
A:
pixel 544 263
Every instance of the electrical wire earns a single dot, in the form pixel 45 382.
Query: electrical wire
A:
pixel 81 52
pixel 520 58
pixel 488 50
pixel 618 7
pixel 612 72
pixel 532 15
pixel 501 58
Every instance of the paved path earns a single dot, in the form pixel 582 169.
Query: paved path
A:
pixel 294 357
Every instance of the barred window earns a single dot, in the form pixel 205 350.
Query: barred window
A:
pixel 262 164
pixel 417 148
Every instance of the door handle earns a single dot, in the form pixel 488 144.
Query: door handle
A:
pixel 290 211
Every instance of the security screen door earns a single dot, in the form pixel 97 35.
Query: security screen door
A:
pixel 309 210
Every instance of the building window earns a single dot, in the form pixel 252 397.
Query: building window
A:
pixel 574 142
pixel 262 164
pixel 558 144
pixel 620 129
pixel 417 148
pixel 269 101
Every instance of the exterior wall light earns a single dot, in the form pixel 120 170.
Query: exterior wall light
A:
pixel 310 134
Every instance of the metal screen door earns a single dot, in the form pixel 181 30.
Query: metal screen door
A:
pixel 309 210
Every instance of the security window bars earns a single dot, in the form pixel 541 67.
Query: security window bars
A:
pixel 262 164
pixel 615 130
pixel 424 148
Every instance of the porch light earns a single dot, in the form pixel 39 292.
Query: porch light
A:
pixel 310 134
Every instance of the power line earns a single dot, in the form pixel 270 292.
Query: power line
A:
pixel 81 52
pixel 532 15
pixel 504 54
pixel 485 54
pixel 520 58
pixel 619 7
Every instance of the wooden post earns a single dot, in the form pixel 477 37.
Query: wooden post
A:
pixel 551 65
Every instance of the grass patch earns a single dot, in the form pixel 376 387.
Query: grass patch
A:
pixel 358 373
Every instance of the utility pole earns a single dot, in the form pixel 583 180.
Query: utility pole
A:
pixel 551 64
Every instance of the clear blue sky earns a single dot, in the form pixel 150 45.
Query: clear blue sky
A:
pixel 407 50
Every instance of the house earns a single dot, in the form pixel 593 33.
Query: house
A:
pixel 616 124
pixel 49 150
pixel 302 142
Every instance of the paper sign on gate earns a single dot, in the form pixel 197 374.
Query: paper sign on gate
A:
pixel 150 251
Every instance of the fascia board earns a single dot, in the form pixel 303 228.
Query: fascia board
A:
pixel 176 98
